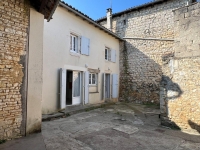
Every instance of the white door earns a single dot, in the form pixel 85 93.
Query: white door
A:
pixel 86 84
pixel 115 85
pixel 63 77
pixel 76 100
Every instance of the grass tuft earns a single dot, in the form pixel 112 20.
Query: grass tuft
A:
pixel 2 141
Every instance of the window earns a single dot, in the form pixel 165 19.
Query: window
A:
pixel 124 21
pixel 110 54
pixel 92 79
pixel 73 43
pixel 107 54
pixel 79 44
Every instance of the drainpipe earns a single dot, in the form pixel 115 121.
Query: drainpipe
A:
pixel 109 18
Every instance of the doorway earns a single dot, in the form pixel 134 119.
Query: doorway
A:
pixel 107 86
pixel 69 88
pixel 73 88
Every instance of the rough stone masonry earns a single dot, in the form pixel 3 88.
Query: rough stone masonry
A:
pixel 149 34
pixel 180 87
pixel 13 38
pixel 160 60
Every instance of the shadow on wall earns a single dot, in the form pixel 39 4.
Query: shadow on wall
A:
pixel 194 126
pixel 172 90
pixel 169 90
pixel 141 80
pixel 140 75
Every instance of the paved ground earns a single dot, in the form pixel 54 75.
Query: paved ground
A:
pixel 115 127
pixel 32 142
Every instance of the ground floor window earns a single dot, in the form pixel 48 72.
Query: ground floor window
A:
pixel 93 82
pixel 92 79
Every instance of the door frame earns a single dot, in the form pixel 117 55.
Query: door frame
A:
pixel 80 83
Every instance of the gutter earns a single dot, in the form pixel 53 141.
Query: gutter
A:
pixel 91 22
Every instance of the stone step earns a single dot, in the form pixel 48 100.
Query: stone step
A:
pixel 72 109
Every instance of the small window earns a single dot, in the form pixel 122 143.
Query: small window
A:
pixel 92 79
pixel 74 43
pixel 107 54
pixel 124 21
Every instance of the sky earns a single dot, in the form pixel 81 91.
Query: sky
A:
pixel 96 9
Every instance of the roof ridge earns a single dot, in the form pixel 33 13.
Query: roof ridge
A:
pixel 76 9
pixel 153 2
pixel 96 24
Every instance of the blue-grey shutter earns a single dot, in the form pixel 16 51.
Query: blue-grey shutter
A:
pixel 113 55
pixel 79 44
pixel 63 78
pixel 115 85
pixel 86 87
pixel 85 46
pixel 103 86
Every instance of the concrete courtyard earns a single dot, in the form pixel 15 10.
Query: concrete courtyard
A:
pixel 113 127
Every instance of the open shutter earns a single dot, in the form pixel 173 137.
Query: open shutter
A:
pixel 79 44
pixel 113 55
pixel 115 84
pixel 86 87
pixel 63 77
pixel 85 46
pixel 103 86
pixel 76 44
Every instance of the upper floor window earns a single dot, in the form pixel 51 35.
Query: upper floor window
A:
pixel 107 54
pixel 124 21
pixel 79 44
pixel 74 43
pixel 110 54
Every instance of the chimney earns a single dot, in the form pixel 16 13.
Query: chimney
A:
pixel 109 18
pixel 189 2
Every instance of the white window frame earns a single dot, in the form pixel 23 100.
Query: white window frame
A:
pixel 91 79
pixel 74 40
pixel 108 54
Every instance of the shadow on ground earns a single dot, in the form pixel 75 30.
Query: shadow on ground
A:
pixel 119 126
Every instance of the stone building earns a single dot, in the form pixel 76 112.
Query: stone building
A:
pixel 160 60
pixel 21 46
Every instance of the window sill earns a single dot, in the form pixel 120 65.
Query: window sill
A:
pixel 93 92
pixel 90 85
pixel 109 61
pixel 74 54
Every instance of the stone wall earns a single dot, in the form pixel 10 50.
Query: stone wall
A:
pixel 141 71
pixel 149 34
pixel 180 102
pixel 162 55
pixel 13 38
